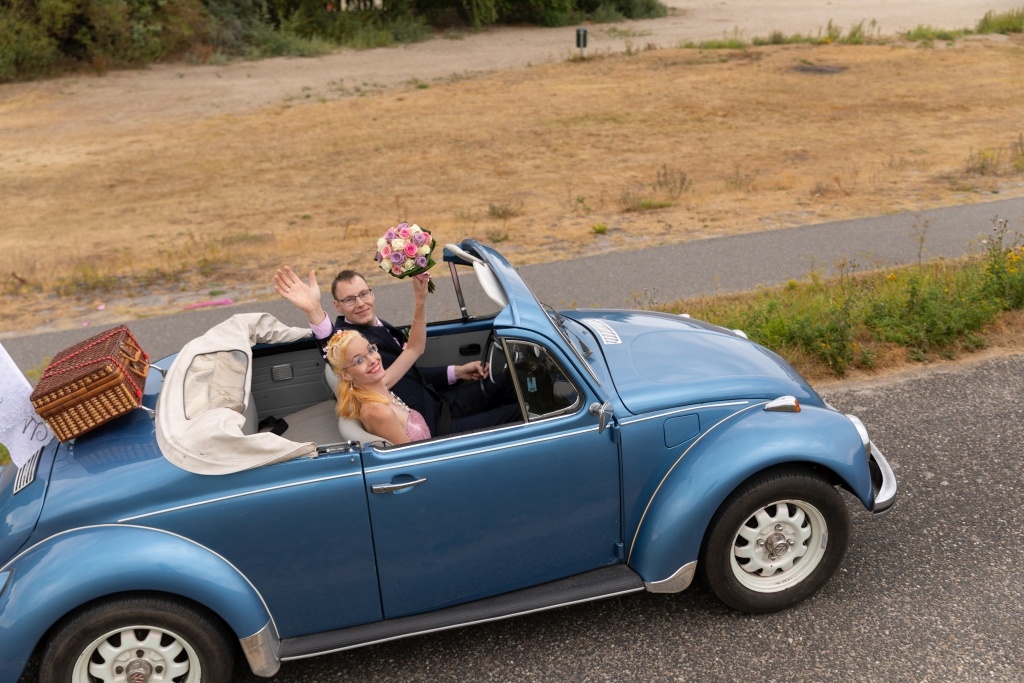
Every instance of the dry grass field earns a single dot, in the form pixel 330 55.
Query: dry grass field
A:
pixel 547 162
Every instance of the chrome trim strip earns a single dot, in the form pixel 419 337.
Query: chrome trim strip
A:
pixel 502 447
pixel 263 651
pixel 676 583
pixel 680 411
pixel 632 544
pixel 221 499
pixel 469 623
pixel 448 438
pixel 886 496
pixel 161 531
pixel 27 474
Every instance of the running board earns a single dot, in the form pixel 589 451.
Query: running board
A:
pixel 595 585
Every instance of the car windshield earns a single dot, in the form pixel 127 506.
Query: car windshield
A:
pixel 575 338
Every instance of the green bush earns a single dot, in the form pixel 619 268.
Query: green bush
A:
pixel 932 309
pixel 540 12
pixel 36 36
pixel 630 9
pixel 26 51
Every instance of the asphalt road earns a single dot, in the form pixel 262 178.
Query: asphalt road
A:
pixel 622 279
pixel 929 593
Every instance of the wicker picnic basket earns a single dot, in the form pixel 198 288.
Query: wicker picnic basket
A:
pixel 91 382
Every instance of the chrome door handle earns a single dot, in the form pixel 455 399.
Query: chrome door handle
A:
pixel 388 488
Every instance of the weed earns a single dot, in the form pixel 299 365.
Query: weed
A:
pixel 84 277
pixel 616 32
pixel 631 201
pixel 503 212
pixel 648 300
pixel 740 181
pixel 733 43
pixel 1017 154
pixel 1011 21
pixel 985 162
pixel 496 236
pixel 578 204
pixel 671 181
pixel 928 34
pixel 599 228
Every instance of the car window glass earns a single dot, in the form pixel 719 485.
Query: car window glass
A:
pixel 544 386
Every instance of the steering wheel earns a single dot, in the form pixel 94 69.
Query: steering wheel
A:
pixel 497 366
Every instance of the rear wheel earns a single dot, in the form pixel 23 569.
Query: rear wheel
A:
pixel 776 541
pixel 139 639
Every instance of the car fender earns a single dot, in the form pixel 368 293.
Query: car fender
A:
pixel 672 527
pixel 63 572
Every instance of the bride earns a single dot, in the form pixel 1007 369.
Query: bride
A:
pixel 364 384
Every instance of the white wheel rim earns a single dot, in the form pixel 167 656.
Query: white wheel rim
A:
pixel 779 546
pixel 112 656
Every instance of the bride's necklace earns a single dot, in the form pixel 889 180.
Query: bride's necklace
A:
pixel 398 402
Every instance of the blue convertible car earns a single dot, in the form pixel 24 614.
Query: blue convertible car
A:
pixel 651 448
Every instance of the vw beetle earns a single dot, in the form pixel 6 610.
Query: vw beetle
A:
pixel 652 448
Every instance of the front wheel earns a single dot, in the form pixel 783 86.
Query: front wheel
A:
pixel 147 639
pixel 775 541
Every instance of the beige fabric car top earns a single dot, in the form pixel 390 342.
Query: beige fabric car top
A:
pixel 201 412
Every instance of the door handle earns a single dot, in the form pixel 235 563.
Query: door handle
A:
pixel 388 488
pixel 470 350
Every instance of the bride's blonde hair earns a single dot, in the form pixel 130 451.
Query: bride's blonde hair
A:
pixel 350 397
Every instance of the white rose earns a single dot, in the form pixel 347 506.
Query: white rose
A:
pixel 424 250
pixel 408 265
pixel 397 244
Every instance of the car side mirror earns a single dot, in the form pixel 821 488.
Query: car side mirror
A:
pixel 603 412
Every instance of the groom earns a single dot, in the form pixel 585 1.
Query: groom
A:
pixel 449 398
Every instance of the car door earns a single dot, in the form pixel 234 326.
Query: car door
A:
pixel 470 516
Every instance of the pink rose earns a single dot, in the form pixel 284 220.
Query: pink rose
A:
pixel 396 270
pixel 403 231
pixel 385 251
pixel 411 250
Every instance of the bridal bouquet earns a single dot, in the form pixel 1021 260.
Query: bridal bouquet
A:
pixel 406 250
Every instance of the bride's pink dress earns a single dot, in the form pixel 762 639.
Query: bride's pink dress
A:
pixel 417 429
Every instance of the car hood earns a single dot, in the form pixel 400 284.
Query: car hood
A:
pixel 659 361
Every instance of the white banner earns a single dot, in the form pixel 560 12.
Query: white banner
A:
pixel 22 431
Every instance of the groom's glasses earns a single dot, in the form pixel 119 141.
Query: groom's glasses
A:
pixel 359 360
pixel 365 295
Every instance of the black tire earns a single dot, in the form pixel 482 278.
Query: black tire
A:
pixel 796 513
pixel 182 643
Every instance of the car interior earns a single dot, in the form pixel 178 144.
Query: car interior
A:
pixel 293 392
